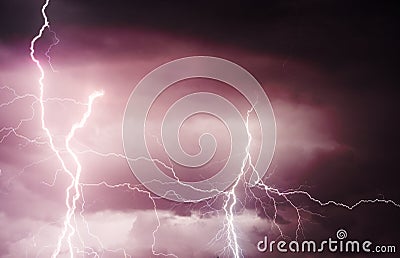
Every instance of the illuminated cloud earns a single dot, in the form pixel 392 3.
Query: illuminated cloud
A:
pixel 333 138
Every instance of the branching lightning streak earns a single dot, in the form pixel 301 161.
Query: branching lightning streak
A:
pixel 74 191
pixel 70 204
pixel 232 199
pixel 75 180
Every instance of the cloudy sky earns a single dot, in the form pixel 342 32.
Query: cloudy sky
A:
pixel 329 69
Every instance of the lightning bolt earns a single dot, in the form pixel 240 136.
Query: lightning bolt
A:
pixel 70 203
pixel 231 199
pixel 75 180
pixel 74 191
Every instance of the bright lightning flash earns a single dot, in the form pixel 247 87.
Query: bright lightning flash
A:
pixel 74 191
pixel 231 200
pixel 70 203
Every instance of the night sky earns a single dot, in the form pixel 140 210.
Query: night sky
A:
pixel 329 69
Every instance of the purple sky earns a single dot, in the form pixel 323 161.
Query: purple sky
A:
pixel 336 134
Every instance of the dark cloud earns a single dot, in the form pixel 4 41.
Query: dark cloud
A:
pixel 334 35
pixel 329 68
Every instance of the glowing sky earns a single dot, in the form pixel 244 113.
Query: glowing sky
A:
pixel 331 81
